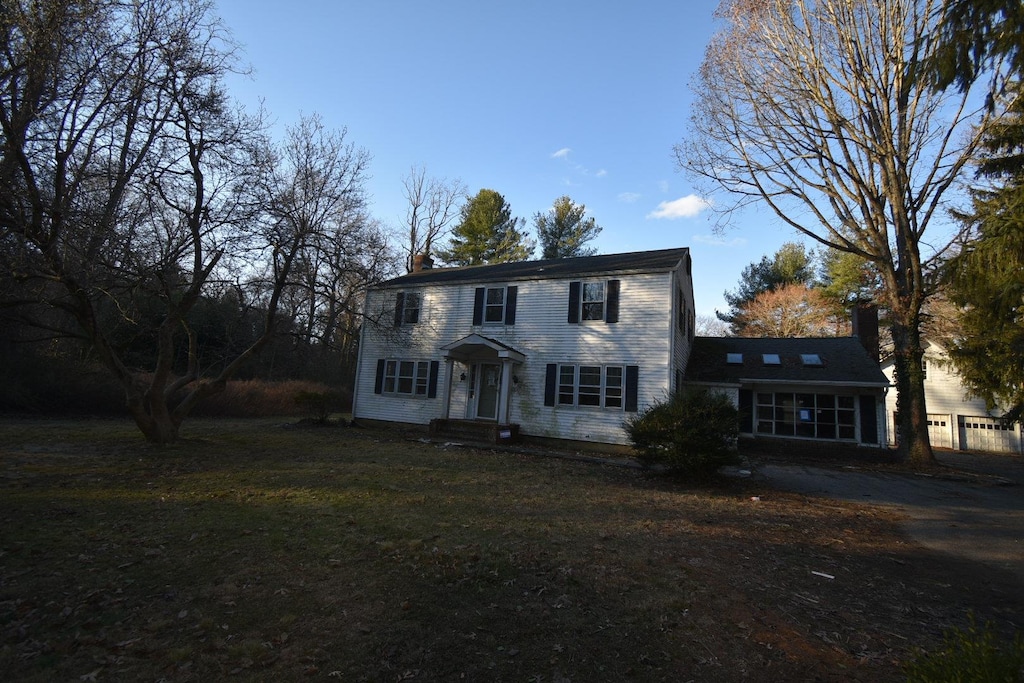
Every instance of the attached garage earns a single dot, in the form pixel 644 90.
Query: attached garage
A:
pixel 987 434
pixel 940 430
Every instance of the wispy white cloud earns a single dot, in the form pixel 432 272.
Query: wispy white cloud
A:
pixel 564 155
pixel 684 207
pixel 715 241
pixel 629 197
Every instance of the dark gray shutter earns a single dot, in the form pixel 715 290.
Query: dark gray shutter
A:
pixel 510 305
pixel 432 380
pixel 611 304
pixel 632 387
pixel 574 302
pixel 378 385
pixel 868 420
pixel 399 306
pixel 550 384
pixel 478 307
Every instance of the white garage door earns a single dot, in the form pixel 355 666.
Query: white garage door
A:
pixel 987 434
pixel 939 432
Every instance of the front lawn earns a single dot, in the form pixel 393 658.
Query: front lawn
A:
pixel 252 551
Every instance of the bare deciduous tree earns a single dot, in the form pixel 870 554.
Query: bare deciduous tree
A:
pixel 812 108
pixel 793 310
pixel 130 188
pixel 433 204
pixel 711 326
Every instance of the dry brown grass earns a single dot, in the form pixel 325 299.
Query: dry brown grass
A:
pixel 254 552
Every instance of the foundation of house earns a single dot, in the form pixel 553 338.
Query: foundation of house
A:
pixel 474 430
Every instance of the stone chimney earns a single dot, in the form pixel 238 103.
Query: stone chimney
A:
pixel 422 262
pixel 865 327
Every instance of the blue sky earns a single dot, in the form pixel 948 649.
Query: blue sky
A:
pixel 532 99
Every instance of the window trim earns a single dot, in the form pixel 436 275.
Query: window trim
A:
pixel 589 307
pixel 481 305
pixel 835 413
pixel 610 392
pixel 420 376
pixel 407 309
pixel 609 304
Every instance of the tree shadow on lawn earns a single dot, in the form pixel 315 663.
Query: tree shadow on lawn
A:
pixel 278 558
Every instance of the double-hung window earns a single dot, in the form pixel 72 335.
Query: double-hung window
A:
pixel 407 377
pixel 594 300
pixel 495 305
pixel 408 306
pixel 591 385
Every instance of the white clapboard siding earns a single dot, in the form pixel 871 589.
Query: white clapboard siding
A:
pixel 645 335
pixel 948 402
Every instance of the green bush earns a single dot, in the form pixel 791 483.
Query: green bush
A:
pixel 970 655
pixel 693 433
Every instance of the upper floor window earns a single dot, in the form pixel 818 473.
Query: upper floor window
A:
pixel 593 301
pixel 597 300
pixel 408 306
pixel 495 305
pixel 682 314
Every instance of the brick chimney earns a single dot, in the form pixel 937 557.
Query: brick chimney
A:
pixel 422 262
pixel 865 327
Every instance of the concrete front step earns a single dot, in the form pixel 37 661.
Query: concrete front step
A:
pixel 474 430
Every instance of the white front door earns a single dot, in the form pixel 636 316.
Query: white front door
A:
pixel 488 383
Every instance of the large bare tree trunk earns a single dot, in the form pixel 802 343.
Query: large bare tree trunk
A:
pixel 911 412
pixel 815 109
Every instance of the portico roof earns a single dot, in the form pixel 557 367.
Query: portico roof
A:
pixel 479 347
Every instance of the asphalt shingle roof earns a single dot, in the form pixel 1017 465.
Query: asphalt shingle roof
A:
pixel 603 264
pixel 843 360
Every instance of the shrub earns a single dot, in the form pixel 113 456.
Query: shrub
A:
pixel 693 433
pixel 260 398
pixel 970 655
pixel 319 404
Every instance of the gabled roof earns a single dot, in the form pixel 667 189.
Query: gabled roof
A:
pixel 477 346
pixel 583 266
pixel 844 361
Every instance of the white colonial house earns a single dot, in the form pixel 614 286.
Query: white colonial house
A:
pixel 561 348
pixel 955 419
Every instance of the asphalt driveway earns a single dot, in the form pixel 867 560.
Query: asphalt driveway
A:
pixel 977 515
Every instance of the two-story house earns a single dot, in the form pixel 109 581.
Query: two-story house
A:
pixel 561 348
pixel 956 420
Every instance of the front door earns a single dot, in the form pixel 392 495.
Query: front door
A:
pixel 488 380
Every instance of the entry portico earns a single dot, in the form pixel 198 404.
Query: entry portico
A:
pixel 490 364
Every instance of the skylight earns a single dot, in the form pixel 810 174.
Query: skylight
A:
pixel 771 359
pixel 811 359
pixel 734 358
